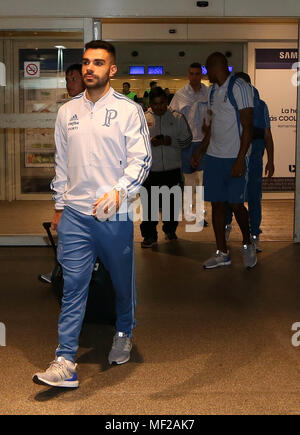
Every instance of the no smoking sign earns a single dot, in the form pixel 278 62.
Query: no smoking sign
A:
pixel 31 69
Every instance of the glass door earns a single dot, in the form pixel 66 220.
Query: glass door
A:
pixel 39 82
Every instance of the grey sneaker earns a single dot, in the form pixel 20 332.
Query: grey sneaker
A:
pixel 121 347
pixel 256 243
pixel 249 256
pixel 61 373
pixel 218 260
pixel 228 229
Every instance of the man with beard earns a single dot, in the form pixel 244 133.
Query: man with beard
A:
pixel 103 156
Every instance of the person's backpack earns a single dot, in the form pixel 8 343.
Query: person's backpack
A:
pixel 258 133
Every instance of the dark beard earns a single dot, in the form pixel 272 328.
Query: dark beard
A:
pixel 100 83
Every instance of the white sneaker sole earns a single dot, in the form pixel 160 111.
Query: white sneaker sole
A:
pixel 64 384
pixel 119 362
pixel 224 263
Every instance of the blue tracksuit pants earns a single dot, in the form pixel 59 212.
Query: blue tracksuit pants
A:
pixel 254 188
pixel 81 239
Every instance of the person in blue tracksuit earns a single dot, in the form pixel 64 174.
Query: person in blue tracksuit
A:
pixel 262 140
pixel 103 156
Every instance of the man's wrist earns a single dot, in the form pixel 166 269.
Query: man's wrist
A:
pixel 122 192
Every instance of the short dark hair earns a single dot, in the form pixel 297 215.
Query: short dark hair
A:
pixel 157 92
pixel 126 83
pixel 74 67
pixel 104 45
pixel 196 65
pixel 217 58
pixel 244 76
pixel 152 84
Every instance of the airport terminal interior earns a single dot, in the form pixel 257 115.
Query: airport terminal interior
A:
pixel 206 341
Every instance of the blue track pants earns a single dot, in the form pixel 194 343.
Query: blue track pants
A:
pixel 81 239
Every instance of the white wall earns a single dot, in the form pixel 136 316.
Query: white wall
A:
pixel 146 8
pixel 200 32
pixel 262 8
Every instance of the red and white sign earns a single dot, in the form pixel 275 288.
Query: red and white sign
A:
pixel 32 69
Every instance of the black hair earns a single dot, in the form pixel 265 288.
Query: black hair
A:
pixel 217 58
pixel 152 84
pixel 157 92
pixel 126 83
pixel 196 65
pixel 104 45
pixel 74 67
pixel 244 76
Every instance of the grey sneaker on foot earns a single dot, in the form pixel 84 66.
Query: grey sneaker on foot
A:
pixel 121 347
pixel 218 260
pixel 61 373
pixel 256 243
pixel 249 256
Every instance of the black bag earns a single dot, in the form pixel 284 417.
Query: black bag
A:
pixel 100 306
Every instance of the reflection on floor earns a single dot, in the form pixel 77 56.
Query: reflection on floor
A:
pixel 26 217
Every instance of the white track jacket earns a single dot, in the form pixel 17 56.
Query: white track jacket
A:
pixel 99 147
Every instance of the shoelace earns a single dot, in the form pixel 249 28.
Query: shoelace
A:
pixel 59 368
pixel 121 343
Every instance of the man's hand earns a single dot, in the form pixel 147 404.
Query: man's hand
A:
pixel 238 168
pixel 206 127
pixel 167 141
pixel 270 169
pixel 55 219
pixel 107 206
pixel 196 158
pixel 157 141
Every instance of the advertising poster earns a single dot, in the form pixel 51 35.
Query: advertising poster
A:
pixel 39 148
pixel 274 80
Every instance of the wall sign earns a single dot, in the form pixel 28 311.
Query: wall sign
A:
pixel 32 69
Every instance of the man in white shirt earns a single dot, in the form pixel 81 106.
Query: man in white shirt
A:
pixel 169 133
pixel 191 101
pixel 227 144
pixel 103 156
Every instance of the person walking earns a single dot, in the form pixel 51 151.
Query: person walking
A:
pixel 169 133
pixel 262 140
pixel 227 144
pixel 191 101
pixel 103 155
